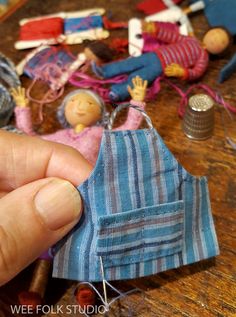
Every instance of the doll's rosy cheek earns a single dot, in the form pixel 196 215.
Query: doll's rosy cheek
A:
pixel 91 107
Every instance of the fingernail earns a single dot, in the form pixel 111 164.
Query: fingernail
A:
pixel 58 204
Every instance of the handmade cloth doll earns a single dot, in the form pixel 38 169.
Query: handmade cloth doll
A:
pixel 183 57
pixel 82 114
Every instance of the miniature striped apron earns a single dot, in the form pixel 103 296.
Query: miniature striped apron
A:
pixel 143 213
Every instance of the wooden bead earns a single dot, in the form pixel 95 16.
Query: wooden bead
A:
pixel 85 296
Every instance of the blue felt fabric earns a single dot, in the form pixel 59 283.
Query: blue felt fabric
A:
pixel 143 213
pixel 228 70
pixel 221 13
pixel 147 66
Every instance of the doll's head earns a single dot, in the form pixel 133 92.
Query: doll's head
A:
pixel 82 106
pixel 217 40
pixel 99 52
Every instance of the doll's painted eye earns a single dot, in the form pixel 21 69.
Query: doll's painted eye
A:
pixel 90 103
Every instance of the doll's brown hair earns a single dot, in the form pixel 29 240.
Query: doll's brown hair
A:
pixel 101 50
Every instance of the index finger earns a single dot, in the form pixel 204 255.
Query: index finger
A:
pixel 24 159
pixel 145 83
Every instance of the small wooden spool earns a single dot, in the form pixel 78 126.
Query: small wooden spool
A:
pixel 34 296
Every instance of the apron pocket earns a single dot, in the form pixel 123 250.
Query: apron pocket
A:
pixel 140 235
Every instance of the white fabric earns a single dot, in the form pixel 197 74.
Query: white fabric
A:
pixel 197 6
pixel 168 3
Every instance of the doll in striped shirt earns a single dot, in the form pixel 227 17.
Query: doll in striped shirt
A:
pixel 183 57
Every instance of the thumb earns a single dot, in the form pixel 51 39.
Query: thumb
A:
pixel 33 218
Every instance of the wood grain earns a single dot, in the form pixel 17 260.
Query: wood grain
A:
pixel 204 289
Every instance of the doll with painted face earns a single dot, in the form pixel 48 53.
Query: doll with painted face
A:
pixel 83 116
pixel 183 57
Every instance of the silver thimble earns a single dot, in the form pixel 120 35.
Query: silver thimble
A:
pixel 198 122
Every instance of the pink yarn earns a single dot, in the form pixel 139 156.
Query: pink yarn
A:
pixel 87 81
pixel 81 80
pixel 51 73
pixel 212 93
pixel 87 142
pixel 154 89
pixel 49 96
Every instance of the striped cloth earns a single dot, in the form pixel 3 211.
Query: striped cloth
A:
pixel 183 50
pixel 8 79
pixel 143 213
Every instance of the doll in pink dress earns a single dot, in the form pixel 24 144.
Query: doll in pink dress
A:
pixel 82 114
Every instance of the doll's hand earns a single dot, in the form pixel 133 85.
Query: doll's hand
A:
pixel 148 27
pixel 138 92
pixel 19 97
pixel 39 203
pixel 174 70
pixel 187 10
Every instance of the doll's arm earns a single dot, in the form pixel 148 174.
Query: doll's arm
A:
pixel 138 93
pixel 175 70
pixel 162 32
pixel 197 6
pixel 22 111
pixel 199 69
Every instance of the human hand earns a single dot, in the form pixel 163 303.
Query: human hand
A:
pixel 38 201
pixel 174 70
pixel 138 92
pixel 19 96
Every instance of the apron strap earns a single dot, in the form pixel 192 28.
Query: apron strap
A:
pixel 123 106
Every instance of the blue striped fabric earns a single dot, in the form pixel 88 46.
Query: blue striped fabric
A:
pixel 73 25
pixel 143 213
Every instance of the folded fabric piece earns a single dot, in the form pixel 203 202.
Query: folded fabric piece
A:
pixel 51 65
pixel 41 29
pixel 153 6
pixel 60 57
pixel 143 213
pixel 228 70
pixel 221 13
pixel 73 25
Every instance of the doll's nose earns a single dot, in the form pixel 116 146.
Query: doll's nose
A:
pixel 80 105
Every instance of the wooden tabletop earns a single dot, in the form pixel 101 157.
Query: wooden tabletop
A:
pixel 204 289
